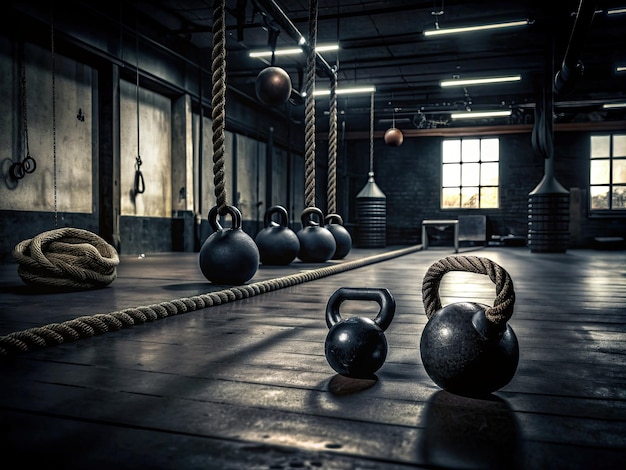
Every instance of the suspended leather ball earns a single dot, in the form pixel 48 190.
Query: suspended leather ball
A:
pixel 273 86
pixel 468 348
pixel 394 137
pixel 228 256
pixel 343 239
pixel 357 347
pixel 278 244
pixel 317 244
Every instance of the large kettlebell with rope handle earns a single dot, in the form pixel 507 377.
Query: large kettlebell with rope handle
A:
pixel 317 244
pixel 343 239
pixel 468 348
pixel 356 346
pixel 228 256
pixel 278 244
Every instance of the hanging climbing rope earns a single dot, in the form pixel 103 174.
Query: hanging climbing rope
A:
pixel 332 148
pixel 309 110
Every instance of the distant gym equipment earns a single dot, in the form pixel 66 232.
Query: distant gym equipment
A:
pixel 356 347
pixel 278 244
pixel 468 348
pixel 317 243
pixel 343 240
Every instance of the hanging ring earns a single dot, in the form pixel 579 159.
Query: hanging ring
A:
pixel 17 171
pixel 29 164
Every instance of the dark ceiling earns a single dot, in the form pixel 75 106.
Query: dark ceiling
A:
pixel 382 43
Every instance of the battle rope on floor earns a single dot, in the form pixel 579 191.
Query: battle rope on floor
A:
pixel 88 326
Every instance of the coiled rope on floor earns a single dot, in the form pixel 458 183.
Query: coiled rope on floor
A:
pixel 88 326
pixel 69 258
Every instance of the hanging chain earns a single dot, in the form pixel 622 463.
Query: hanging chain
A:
pixel 309 186
pixel 218 69
pixel 54 132
pixel 140 185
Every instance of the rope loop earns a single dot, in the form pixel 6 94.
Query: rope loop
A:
pixel 502 309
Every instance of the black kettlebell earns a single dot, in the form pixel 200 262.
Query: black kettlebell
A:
pixel 278 244
pixel 273 86
pixel 228 256
pixel 468 348
pixel 317 244
pixel 343 240
pixel 356 347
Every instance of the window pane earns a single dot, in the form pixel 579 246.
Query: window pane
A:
pixel 470 151
pixel 619 171
pixel 470 174
pixel 451 175
pixel 600 146
pixel 488 198
pixel 489 174
pixel 619 145
pixel 619 197
pixel 490 150
pixel 600 172
pixel 599 197
pixel 451 151
pixel 450 198
pixel 469 197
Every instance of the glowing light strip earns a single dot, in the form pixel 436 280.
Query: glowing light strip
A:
pixel 292 51
pixel 620 68
pixel 480 81
pixel 472 115
pixel 347 91
pixel 614 105
pixel 616 11
pixel 467 29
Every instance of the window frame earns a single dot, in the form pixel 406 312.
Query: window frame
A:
pixel 610 211
pixel 480 163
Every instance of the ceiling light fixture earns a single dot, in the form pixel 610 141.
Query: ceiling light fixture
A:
pixel 620 68
pixel 480 81
pixel 293 50
pixel 467 29
pixel 346 91
pixel 613 105
pixel 616 11
pixel 480 114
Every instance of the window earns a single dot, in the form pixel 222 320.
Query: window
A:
pixel 470 173
pixel 607 173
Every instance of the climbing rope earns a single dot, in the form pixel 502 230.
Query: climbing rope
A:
pixel 502 309
pixel 88 326
pixel 218 69
pixel 309 110
pixel 69 258
pixel 332 149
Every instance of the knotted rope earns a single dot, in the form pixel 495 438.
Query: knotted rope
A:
pixel 331 194
pixel 88 326
pixel 502 309
pixel 218 103
pixel 309 110
pixel 67 258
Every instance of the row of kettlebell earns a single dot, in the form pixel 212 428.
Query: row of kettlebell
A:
pixel 314 243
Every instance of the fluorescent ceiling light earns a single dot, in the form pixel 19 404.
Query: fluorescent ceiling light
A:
pixel 620 68
pixel 480 114
pixel 614 105
pixel 466 29
pixel 346 91
pixel 293 50
pixel 480 81
pixel 616 11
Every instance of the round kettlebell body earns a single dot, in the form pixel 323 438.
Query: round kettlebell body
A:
pixel 317 244
pixel 463 358
pixel 356 346
pixel 273 86
pixel 228 256
pixel 277 243
pixel 343 240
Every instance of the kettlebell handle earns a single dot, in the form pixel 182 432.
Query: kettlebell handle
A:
pixel 234 213
pixel 334 219
pixel 307 216
pixel 502 309
pixel 381 296
pixel 283 216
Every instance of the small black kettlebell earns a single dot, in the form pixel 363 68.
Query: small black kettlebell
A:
pixel 317 244
pixel 356 347
pixel 343 239
pixel 228 256
pixel 278 244
pixel 468 348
